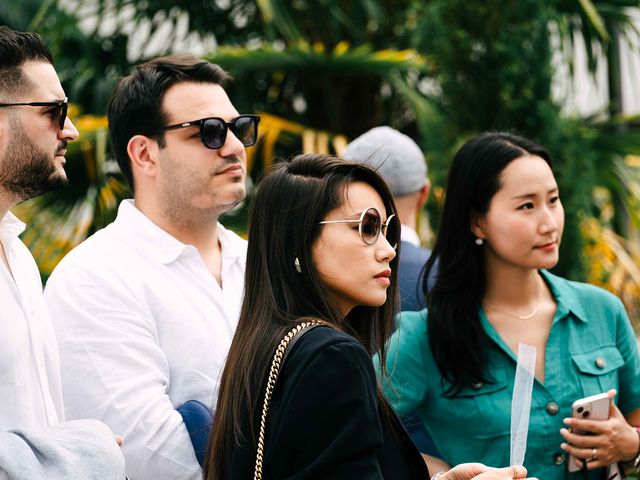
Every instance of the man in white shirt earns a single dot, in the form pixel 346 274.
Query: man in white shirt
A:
pixel 146 308
pixel 34 132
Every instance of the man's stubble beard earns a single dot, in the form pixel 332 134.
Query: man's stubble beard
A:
pixel 25 170
pixel 177 197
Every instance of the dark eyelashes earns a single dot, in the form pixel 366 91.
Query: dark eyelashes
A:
pixel 530 205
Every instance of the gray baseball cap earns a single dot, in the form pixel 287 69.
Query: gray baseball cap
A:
pixel 394 155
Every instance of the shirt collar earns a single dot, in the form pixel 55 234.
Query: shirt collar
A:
pixel 10 228
pixel 233 248
pixel 163 246
pixel 566 300
pixel 409 235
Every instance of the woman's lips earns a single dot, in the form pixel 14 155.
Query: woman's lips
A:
pixel 548 247
pixel 383 277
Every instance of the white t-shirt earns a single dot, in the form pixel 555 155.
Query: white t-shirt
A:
pixel 143 326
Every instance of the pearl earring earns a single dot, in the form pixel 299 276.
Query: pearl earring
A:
pixel 479 241
pixel 296 262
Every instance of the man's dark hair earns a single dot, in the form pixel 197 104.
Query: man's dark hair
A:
pixel 16 48
pixel 135 107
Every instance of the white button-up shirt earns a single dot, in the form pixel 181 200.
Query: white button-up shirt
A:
pixel 29 369
pixel 409 235
pixel 143 326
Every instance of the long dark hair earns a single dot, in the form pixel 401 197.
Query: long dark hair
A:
pixel 456 337
pixel 289 203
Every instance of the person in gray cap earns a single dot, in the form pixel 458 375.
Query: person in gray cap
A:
pixel 401 163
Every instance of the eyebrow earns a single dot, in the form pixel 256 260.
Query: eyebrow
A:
pixel 531 195
pixel 55 100
pixel 354 216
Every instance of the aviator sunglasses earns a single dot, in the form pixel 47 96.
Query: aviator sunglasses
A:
pixel 370 225
pixel 61 105
pixel 213 130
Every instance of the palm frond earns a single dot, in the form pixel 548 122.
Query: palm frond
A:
pixel 304 56
pixel 594 21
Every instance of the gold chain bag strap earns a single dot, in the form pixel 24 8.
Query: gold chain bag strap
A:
pixel 278 359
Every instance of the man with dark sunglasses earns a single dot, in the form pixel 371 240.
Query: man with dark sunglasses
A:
pixel 146 308
pixel 35 442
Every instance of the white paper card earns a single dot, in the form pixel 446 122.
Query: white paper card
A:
pixel 521 402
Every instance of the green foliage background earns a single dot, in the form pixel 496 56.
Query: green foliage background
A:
pixel 439 70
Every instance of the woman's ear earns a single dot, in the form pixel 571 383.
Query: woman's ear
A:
pixel 477 225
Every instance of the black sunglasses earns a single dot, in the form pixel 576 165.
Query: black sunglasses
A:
pixel 370 226
pixel 61 104
pixel 213 130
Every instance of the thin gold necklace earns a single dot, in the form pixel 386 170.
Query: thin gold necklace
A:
pixel 515 315
pixel 521 317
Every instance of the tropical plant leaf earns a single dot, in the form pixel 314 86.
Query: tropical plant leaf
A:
pixel 303 56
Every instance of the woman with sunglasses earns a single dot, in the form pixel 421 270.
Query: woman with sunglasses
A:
pixel 455 362
pixel 322 237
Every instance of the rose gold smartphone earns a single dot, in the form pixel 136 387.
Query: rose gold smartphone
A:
pixel 595 407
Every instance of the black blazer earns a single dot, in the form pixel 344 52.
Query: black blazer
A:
pixel 325 420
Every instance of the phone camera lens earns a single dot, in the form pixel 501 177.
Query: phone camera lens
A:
pixel 585 414
pixel 580 409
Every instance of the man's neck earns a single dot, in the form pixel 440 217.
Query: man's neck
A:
pixel 407 218
pixel 6 204
pixel 200 232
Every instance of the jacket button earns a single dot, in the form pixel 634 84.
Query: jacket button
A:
pixel 601 362
pixel 558 458
pixel 477 386
pixel 552 408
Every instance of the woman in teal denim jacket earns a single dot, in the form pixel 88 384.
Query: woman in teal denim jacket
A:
pixel 454 362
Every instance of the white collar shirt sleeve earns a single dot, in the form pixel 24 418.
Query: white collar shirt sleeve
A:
pixel 142 327
pixel 29 369
pixel 409 235
pixel 33 441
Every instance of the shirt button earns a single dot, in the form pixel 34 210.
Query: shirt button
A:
pixel 477 386
pixel 558 458
pixel 600 362
pixel 552 408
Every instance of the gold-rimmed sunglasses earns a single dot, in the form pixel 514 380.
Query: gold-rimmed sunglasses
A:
pixel 370 225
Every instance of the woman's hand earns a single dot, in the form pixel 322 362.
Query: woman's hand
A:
pixel 610 441
pixel 478 471
pixel 435 464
